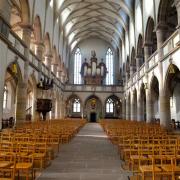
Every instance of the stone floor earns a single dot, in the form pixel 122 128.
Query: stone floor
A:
pixel 89 156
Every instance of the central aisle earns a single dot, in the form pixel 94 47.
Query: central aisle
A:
pixel 89 156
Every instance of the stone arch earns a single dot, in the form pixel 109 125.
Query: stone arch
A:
pixel 37 30
pixel 167 16
pixel 171 95
pixel 117 107
pixel 150 37
pixel 93 110
pixel 13 77
pixel 69 103
pixel 31 93
pixel 140 52
pixel 133 60
pixel 154 94
pixel 25 11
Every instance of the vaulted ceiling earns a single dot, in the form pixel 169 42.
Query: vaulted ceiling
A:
pixel 105 19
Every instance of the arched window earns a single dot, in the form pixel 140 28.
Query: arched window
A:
pixel 5 98
pixel 109 106
pixel 109 65
pixel 77 67
pixel 76 106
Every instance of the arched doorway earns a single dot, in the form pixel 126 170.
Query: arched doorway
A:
pixel 154 90
pixel 10 100
pixel 172 90
pixel 93 109
pixel 134 105
pixel 143 102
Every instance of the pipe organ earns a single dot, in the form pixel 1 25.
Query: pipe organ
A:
pixel 93 73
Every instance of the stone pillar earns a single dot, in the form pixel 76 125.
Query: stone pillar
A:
pixel 123 109
pixel 5 10
pixel 164 99
pixel 131 71
pixel 139 107
pixel 26 30
pixel 54 68
pixel 127 108
pixel 149 106
pixel 21 103
pixel 177 4
pixel 132 107
pixel 165 116
pixel 22 83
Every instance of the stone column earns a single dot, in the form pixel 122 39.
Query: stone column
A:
pixel 21 103
pixel 5 10
pixel 164 99
pixel 147 53
pixel 26 30
pixel 164 102
pixel 177 4
pixel 22 83
pixel 132 107
pixel 123 109
pixel 139 107
pixel 54 68
pixel 48 60
pixel 127 109
pixel 149 106
pixel 131 71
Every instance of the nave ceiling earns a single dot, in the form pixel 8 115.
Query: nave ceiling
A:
pixel 104 19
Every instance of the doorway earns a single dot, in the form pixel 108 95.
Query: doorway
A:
pixel 93 117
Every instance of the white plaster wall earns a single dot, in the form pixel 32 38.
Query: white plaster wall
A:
pixel 49 26
pixel 39 9
pixel 148 11
pixel 138 21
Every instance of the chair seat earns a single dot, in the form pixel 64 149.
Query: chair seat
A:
pixel 23 165
pixel 4 164
pixel 39 155
pixel 149 168
pixel 169 168
pixel 137 157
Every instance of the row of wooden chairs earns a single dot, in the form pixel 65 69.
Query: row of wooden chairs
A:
pixel 148 150
pixel 32 146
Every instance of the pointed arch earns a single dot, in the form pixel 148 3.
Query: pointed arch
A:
pixel 37 29
pixel 47 44
pixel 25 11
pixel 150 36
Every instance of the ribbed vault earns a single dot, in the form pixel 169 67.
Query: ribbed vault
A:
pixel 105 19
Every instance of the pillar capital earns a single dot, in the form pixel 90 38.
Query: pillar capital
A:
pixel 26 33
pixel 161 26
pixel 38 49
